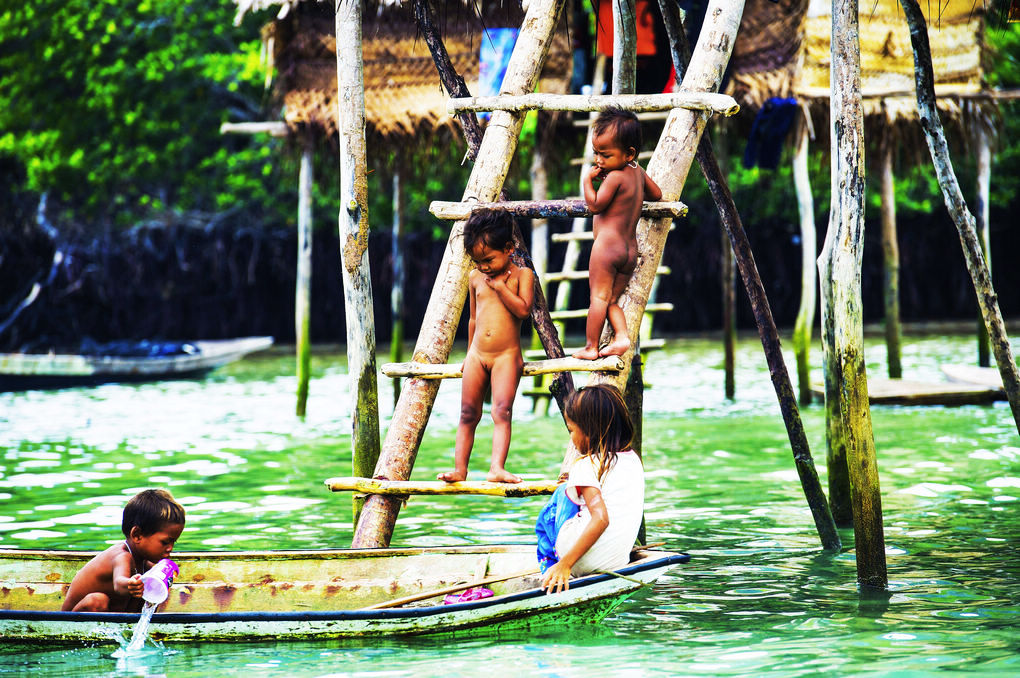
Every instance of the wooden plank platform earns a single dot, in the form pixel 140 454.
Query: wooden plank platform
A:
pixel 908 392
pixel 988 377
pixel 439 487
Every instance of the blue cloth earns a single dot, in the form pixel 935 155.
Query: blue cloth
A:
pixel 768 131
pixel 559 509
pixel 497 45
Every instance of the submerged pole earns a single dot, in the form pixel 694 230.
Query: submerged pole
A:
pixel 979 272
pixel 891 261
pixel 439 326
pixel 984 182
pixel 397 255
pixel 302 292
pixel 804 325
pixel 353 225
pixel 843 261
pixel 756 293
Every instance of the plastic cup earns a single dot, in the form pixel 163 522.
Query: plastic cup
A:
pixel 157 581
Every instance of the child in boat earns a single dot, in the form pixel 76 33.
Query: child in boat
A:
pixel 616 139
pixel 608 483
pixel 500 294
pixel 112 581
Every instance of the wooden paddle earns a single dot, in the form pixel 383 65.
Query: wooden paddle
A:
pixel 397 602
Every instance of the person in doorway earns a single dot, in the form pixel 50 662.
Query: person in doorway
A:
pixel 500 295
pixel 616 139
pixel 607 481
pixel 152 523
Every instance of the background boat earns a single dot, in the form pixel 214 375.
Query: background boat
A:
pixel 23 371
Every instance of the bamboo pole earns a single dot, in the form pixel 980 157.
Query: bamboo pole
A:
pixel 710 102
pixel 405 488
pixel 802 327
pixel 720 31
pixel 624 47
pixel 303 288
pixel 540 236
pixel 397 255
pixel 843 260
pixel 571 207
pixel 835 432
pixel 354 243
pixel 447 301
pixel 984 182
pixel 891 263
pixel 957 206
pixel 531 369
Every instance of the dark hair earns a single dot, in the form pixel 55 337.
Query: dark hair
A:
pixel 601 415
pixel 150 510
pixel 495 228
pixel 623 125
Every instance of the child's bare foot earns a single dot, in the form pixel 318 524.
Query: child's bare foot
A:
pixel 618 346
pixel 452 476
pixel 587 353
pixel 501 475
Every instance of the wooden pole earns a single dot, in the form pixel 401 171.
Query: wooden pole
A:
pixel 354 243
pixel 711 102
pixel 397 255
pixel 843 260
pixel 530 209
pixel 745 262
pixel 835 432
pixel 957 206
pixel 803 326
pixel 624 47
pixel 302 292
pixel 984 182
pixel 540 234
pixel 891 261
pixel 448 293
pixel 728 273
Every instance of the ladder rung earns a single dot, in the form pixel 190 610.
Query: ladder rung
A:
pixel 583 235
pixel 409 487
pixel 699 101
pixel 646 345
pixel 581 275
pixel 583 312
pixel 544 209
pixel 643 117
pixel 643 155
pixel 531 369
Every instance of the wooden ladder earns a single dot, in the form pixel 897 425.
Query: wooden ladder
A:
pixel 669 164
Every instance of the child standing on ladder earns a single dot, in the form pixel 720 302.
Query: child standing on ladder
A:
pixel 500 295
pixel 616 139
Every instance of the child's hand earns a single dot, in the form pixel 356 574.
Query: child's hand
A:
pixel 556 578
pixel 497 282
pixel 135 586
pixel 596 173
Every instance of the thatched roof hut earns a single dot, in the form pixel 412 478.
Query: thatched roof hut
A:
pixel 403 96
pixel 783 50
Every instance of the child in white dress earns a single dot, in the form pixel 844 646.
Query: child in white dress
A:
pixel 608 482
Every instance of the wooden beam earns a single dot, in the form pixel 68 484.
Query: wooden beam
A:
pixel 583 312
pixel 942 91
pixel 435 487
pixel 531 369
pixel 276 129
pixel 649 116
pixel 580 274
pixel 574 236
pixel 573 207
pixel 647 345
pixel 711 102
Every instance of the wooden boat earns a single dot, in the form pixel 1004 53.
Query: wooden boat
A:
pixel 21 371
pixel 249 595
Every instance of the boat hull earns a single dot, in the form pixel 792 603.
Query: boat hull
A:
pixel 589 600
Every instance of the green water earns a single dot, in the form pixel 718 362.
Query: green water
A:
pixel 757 597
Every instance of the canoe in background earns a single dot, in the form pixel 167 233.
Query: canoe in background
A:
pixel 279 595
pixel 21 371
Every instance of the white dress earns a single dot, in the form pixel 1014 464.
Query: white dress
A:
pixel 623 493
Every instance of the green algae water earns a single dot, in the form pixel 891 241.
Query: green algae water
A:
pixel 758 597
